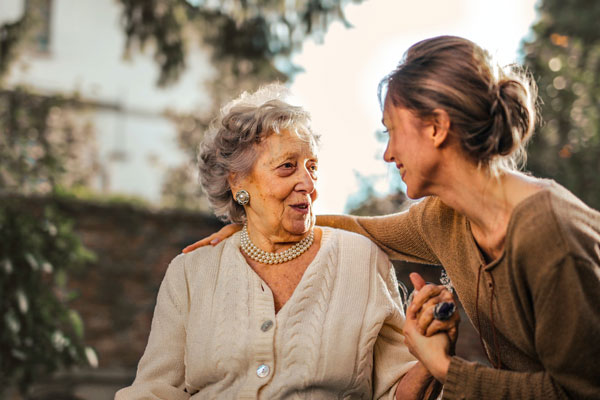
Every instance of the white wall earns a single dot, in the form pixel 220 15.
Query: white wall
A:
pixel 86 57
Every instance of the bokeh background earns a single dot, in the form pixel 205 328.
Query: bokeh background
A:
pixel 103 104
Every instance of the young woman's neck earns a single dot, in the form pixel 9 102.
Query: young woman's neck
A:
pixel 485 199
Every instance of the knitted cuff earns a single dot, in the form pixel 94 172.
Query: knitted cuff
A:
pixel 452 386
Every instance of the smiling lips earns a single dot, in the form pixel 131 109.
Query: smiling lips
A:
pixel 302 208
pixel 401 169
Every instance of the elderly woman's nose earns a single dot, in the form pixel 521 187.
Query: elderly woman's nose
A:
pixel 306 181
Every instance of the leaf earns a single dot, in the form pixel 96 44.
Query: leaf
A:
pixel 76 323
pixel 33 263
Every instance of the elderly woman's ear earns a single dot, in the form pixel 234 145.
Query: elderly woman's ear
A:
pixel 235 183
pixel 239 193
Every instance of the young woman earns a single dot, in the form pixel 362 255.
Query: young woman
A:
pixel 522 253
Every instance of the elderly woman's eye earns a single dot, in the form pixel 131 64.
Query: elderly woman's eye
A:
pixel 288 165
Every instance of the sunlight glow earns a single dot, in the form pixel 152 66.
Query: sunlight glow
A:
pixel 339 85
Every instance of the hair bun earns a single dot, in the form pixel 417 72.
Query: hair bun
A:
pixel 512 114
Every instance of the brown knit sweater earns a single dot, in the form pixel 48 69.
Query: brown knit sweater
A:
pixel 537 306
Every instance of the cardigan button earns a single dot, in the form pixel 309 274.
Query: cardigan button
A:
pixel 263 371
pixel 266 325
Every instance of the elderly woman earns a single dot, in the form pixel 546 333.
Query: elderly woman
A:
pixel 282 309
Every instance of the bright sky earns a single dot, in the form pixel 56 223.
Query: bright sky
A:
pixel 339 85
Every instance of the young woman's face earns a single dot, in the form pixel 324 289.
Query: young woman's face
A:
pixel 282 187
pixel 410 147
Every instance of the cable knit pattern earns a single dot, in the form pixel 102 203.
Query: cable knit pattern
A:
pixel 305 332
pixel 231 310
pixel 365 359
pixel 338 336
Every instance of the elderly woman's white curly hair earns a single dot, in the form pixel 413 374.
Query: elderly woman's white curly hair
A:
pixel 230 144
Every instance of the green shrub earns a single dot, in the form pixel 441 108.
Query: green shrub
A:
pixel 39 333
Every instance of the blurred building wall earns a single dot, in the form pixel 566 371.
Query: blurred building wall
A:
pixel 81 52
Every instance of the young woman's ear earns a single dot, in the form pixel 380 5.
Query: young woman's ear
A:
pixel 441 125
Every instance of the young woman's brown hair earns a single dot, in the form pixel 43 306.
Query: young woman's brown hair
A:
pixel 491 109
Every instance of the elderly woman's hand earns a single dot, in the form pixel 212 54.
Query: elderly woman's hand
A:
pixel 422 306
pixel 215 238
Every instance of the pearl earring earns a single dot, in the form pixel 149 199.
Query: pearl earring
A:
pixel 242 197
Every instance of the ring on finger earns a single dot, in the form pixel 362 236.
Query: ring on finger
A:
pixel 443 311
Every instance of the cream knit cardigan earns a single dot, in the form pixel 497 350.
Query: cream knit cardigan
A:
pixel 338 337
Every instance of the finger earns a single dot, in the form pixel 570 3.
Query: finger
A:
pixel 422 296
pixel 410 329
pixel 453 335
pixel 417 280
pixel 437 326
pixel 215 238
pixel 425 319
pixel 446 295
pixel 229 230
pixel 443 297
pixel 198 244
pixel 434 300
pixel 430 302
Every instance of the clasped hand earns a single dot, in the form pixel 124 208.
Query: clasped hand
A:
pixel 430 340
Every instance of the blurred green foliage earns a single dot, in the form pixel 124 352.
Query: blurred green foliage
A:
pixel 564 58
pixel 15 35
pixel 45 141
pixel 40 333
pixel 251 33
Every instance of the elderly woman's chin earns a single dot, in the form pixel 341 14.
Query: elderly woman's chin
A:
pixel 298 224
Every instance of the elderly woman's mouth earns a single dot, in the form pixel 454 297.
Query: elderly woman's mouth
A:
pixel 302 208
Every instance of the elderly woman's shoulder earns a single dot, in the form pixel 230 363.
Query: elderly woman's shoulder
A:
pixel 198 260
pixel 204 253
pixel 358 253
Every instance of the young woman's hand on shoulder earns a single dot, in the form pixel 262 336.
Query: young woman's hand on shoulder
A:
pixel 215 238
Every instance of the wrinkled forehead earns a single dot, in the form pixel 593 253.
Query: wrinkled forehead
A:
pixel 297 132
pixel 290 142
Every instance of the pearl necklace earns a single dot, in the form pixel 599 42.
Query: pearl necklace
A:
pixel 274 258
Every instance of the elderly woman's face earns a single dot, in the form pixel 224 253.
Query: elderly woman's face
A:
pixel 282 187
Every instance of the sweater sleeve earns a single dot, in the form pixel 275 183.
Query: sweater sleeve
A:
pixel 392 359
pixel 400 235
pixel 567 329
pixel 161 370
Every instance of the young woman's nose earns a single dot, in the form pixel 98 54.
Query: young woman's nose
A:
pixel 387 155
